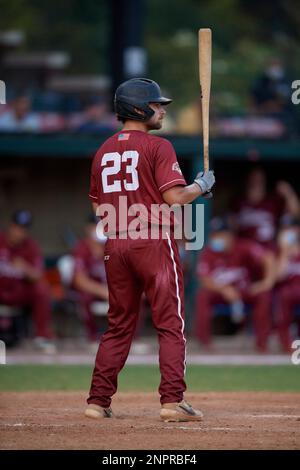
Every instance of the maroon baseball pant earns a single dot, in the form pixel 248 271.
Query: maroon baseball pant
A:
pixel 287 297
pixel 261 304
pixel 134 267
pixel 89 319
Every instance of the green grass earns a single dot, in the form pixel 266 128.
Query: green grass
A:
pixel 146 378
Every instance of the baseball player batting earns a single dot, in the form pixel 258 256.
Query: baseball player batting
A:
pixel 142 169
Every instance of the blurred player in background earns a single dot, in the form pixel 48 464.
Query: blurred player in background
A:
pixel 143 169
pixel 97 118
pixel 288 279
pixel 89 275
pixel 271 90
pixel 21 277
pixel 225 271
pixel 256 216
pixel 20 118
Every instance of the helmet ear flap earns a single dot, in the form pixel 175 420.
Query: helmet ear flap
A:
pixel 140 112
pixel 128 111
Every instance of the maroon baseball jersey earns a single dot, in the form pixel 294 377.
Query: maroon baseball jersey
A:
pixel 234 267
pixel 138 166
pixel 28 250
pixel 292 271
pixel 85 261
pixel 258 222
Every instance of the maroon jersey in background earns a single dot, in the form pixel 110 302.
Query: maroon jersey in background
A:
pixel 237 268
pixel 16 290
pixel 137 165
pixel 259 222
pixel 232 268
pixel 292 272
pixel 28 250
pixel 287 298
pixel 87 262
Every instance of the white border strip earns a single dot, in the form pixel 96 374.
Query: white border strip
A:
pixel 148 359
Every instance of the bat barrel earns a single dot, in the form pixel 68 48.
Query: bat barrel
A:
pixel 205 47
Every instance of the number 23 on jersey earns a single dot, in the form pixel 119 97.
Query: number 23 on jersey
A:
pixel 130 157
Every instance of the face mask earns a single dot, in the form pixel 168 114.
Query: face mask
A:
pixel 217 244
pixel 289 237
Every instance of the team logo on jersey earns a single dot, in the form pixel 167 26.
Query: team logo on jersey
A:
pixel 176 167
pixel 123 136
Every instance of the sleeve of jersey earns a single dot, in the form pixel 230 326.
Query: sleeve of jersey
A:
pixel 93 193
pixel 167 169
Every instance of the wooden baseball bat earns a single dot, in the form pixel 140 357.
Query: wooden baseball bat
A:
pixel 204 43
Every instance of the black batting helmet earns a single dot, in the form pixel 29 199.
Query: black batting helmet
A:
pixel 137 93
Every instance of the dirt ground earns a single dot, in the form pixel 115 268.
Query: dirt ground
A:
pixel 54 420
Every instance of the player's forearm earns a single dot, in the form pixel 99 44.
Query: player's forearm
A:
pixel 33 274
pixel 84 283
pixel 209 284
pixel 30 272
pixel 292 204
pixel 182 194
pixel 281 266
pixel 269 270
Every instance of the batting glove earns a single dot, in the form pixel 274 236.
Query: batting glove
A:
pixel 205 180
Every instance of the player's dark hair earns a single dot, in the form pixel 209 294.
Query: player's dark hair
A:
pixel 120 118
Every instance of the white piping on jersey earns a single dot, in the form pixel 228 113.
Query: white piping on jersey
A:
pixel 94 197
pixel 177 179
pixel 178 298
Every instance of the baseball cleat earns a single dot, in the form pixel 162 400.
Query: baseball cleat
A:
pixel 97 412
pixel 172 412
